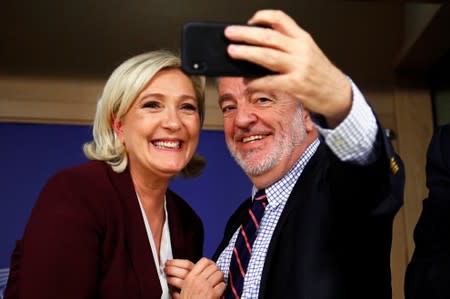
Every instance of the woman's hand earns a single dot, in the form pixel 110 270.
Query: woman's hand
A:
pixel 202 280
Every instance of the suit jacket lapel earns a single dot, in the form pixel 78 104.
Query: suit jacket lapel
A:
pixel 232 225
pixel 301 190
pixel 136 236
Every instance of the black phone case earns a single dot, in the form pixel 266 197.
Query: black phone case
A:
pixel 204 52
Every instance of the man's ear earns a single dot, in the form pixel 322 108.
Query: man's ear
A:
pixel 307 121
pixel 117 127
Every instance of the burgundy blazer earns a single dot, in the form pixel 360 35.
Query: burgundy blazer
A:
pixel 86 238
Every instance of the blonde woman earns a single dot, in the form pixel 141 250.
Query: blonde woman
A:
pixel 105 229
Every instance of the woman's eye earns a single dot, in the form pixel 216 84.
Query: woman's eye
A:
pixel 188 106
pixel 151 104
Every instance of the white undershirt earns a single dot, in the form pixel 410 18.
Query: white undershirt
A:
pixel 165 250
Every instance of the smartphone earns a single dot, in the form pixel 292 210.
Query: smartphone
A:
pixel 204 52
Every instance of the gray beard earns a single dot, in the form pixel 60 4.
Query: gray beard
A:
pixel 287 142
pixel 258 167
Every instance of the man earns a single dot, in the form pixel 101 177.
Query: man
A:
pixel 332 189
pixel 428 273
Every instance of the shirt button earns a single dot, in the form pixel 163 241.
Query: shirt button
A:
pixel 339 141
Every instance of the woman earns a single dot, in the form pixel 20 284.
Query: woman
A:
pixel 105 229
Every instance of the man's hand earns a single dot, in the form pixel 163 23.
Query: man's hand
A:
pixel 303 71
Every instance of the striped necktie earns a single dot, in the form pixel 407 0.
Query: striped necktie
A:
pixel 243 246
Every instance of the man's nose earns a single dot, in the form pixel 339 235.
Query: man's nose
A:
pixel 245 116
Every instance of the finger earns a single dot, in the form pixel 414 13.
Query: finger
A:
pixel 176 271
pixel 210 270
pixel 181 263
pixel 201 265
pixel 219 289
pixel 271 59
pixel 259 36
pixel 278 20
pixel 216 277
pixel 175 282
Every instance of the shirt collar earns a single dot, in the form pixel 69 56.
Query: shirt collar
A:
pixel 279 191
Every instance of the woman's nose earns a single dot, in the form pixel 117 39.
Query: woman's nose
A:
pixel 172 120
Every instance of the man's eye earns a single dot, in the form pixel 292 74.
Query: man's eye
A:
pixel 188 106
pixel 263 100
pixel 227 108
pixel 151 104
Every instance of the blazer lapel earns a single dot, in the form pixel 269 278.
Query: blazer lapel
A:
pixel 301 190
pixel 233 223
pixel 136 236
pixel 177 239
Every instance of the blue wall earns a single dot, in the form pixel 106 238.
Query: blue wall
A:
pixel 32 153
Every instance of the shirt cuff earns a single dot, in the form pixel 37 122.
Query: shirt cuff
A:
pixel 353 140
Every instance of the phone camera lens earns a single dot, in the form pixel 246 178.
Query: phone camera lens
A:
pixel 198 66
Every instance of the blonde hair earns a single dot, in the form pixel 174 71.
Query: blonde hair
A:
pixel 120 91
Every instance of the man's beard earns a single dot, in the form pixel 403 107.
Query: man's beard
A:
pixel 283 145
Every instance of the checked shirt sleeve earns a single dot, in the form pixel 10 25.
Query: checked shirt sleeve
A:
pixel 353 140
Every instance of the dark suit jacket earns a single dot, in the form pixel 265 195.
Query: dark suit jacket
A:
pixel 333 238
pixel 86 238
pixel 428 273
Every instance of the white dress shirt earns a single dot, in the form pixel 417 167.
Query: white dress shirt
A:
pixel 165 251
